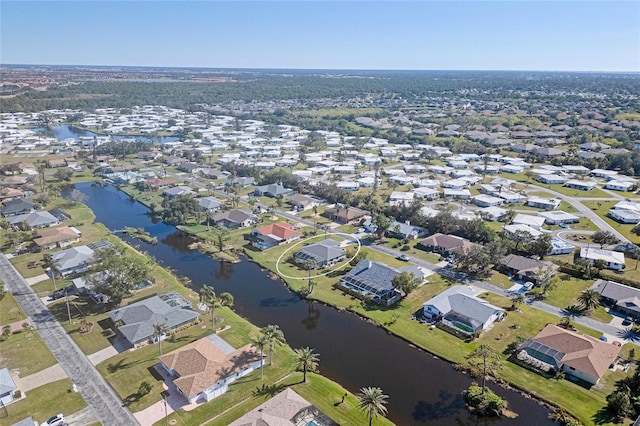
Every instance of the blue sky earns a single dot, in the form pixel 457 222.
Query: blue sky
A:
pixel 426 35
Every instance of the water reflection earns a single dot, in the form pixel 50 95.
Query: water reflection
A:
pixel 422 390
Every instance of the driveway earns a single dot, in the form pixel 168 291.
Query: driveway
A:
pixel 48 375
pixel 102 400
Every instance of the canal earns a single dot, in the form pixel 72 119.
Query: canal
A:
pixel 422 390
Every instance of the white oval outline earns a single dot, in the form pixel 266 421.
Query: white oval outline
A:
pixel 356 239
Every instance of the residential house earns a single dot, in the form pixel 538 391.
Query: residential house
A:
pixel 621 298
pixel 273 190
pixel 426 193
pixel 62 236
pixel 178 191
pixel 324 253
pixel 272 235
pixel 524 268
pixel 621 185
pixel 18 207
pixel 531 221
pixel 582 185
pixel 578 356
pixel 399 198
pixel 303 202
pixel 484 200
pixel 175 161
pixel 406 231
pixel 211 204
pixel 7 194
pixel 495 214
pixel 191 168
pixel 242 181
pixel 135 321
pixel 203 370
pixel 286 408
pixel 235 219
pixel 515 230
pixel 33 220
pixel 613 259
pixel 372 281
pixel 558 217
pixel 155 184
pixel 549 178
pixel 342 214
pixel 458 309
pixel 462 194
pixel 445 244
pixel 560 247
pixel 7 387
pixel 149 155
pixel 543 203
pixel 78 259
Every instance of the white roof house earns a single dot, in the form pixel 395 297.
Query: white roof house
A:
pixel 519 228
pixel 484 200
pixel 543 203
pixel 557 217
pixel 620 185
pixel 534 222
pixel 614 259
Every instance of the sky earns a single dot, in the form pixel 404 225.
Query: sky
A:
pixel 560 35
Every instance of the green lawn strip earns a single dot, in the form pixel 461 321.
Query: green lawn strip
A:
pixel 566 293
pixel 501 280
pixel 25 350
pixel 46 401
pixel 127 370
pixel 10 311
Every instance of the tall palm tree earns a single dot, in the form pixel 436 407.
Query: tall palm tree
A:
pixel 274 335
pixel 306 360
pixel 487 357
pixel 47 258
pixel 372 402
pixel 260 343
pixel 158 330
pixel 589 299
pixel 209 298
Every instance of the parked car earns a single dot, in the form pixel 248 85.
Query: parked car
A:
pixel 403 257
pixel 627 321
pixel 57 420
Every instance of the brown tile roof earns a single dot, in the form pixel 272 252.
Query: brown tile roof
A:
pixel 447 242
pixel 584 353
pixel 55 235
pixel 201 364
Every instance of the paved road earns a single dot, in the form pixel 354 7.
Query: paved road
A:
pixel 586 212
pixel 102 400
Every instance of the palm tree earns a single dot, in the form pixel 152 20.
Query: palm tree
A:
pixel 307 360
pixel 487 357
pixel 260 343
pixel 589 299
pixel 158 330
pixel 209 298
pixel 274 335
pixel 226 299
pixel 372 402
pixel 47 258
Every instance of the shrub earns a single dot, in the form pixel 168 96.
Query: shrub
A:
pixel 484 403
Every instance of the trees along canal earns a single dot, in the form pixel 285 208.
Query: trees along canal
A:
pixel 306 360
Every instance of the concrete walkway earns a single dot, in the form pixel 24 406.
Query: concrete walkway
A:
pixel 37 279
pixel 102 355
pixel 83 417
pixel 35 380
pixel 102 400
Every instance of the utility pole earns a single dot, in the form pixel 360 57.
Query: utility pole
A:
pixel 66 294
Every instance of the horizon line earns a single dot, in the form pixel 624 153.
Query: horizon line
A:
pixel 325 69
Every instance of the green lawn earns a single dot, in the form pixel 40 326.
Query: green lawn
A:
pixel 25 350
pixel 320 391
pixel 10 311
pixel 567 291
pixel 44 402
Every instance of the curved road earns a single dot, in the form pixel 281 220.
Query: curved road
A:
pixel 586 211
pixel 102 400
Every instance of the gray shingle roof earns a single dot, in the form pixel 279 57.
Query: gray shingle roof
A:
pixel 321 252
pixel 17 206
pixel 138 318
pixel 375 277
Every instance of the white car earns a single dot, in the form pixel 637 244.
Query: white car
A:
pixel 57 420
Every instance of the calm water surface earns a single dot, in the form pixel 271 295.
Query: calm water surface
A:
pixel 422 389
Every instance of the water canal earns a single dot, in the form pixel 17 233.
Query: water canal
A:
pixel 422 390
